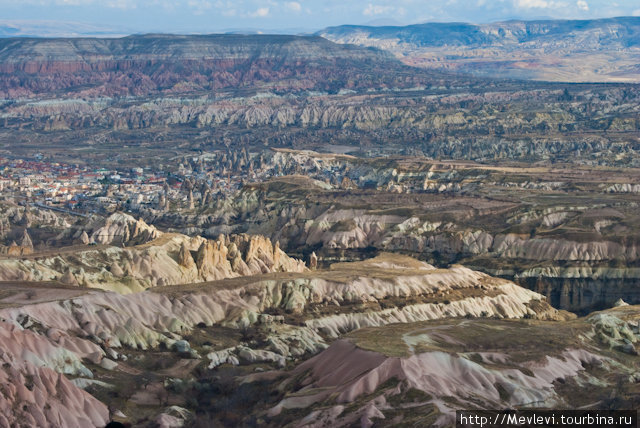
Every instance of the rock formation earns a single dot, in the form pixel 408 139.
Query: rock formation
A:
pixel 68 278
pixel 162 259
pixel 36 391
pixel 122 228
pixel 84 238
pixel 25 241
pixel 184 257
pixel 23 248
pixel 365 322
pixel 313 261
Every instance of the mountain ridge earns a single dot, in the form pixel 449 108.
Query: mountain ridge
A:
pixel 21 48
pixel 558 25
pixel 145 64
pixel 560 50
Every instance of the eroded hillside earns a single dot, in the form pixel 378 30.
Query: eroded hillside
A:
pixel 166 95
pixel 168 340
pixel 567 232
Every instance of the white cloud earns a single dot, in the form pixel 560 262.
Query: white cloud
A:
pixel 199 6
pixel 372 10
pixel 226 8
pixel 636 12
pixel 121 4
pixel 74 2
pixel 293 6
pixel 583 5
pixel 261 12
pixel 531 4
pixel 115 4
pixel 543 4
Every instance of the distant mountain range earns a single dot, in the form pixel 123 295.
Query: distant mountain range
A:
pixel 22 28
pixel 588 50
pixel 602 50
pixel 53 29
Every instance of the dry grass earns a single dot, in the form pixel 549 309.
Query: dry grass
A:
pixel 522 340
pixel 20 293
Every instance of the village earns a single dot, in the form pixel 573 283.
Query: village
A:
pixel 85 190
pixel 185 184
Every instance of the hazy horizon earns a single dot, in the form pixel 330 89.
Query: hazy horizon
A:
pixel 51 17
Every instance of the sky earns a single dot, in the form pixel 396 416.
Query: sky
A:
pixel 208 16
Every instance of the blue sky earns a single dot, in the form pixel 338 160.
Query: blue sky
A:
pixel 297 15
